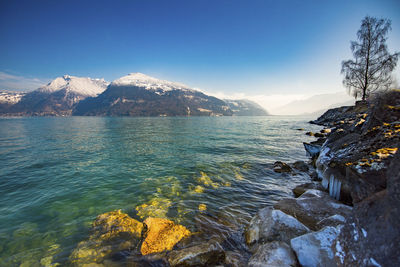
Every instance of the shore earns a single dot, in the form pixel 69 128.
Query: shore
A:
pixel 347 214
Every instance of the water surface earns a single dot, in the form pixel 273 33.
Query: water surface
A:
pixel 58 174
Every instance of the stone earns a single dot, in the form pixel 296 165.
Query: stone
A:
pixel 280 167
pixel 315 249
pixel 312 207
pixel 300 189
pixel 235 258
pixel 301 166
pixel 273 225
pixel 312 150
pixel 111 232
pixel 274 254
pixel 334 220
pixel 319 135
pixel 205 254
pixel 161 235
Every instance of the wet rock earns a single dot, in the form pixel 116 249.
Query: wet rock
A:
pixel 300 189
pixel 312 150
pixel 161 234
pixel 310 133
pixel 274 254
pixel 280 167
pixel 206 254
pixel 315 249
pixel 319 135
pixel 301 166
pixel 312 207
pixel 112 232
pixel 235 259
pixel 273 225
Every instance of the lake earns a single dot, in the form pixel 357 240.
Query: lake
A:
pixel 58 173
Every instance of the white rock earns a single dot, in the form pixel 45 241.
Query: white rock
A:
pixel 315 249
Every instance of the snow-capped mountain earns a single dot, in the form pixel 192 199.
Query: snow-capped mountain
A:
pixel 79 85
pixel 57 97
pixel 144 81
pixel 244 107
pixel 140 95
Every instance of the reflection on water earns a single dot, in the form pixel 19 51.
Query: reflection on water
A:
pixel 58 174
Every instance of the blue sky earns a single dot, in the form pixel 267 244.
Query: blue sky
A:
pixel 242 48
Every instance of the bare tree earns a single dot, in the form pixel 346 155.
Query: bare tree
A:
pixel 373 64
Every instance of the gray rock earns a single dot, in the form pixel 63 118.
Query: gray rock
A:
pixel 312 207
pixel 273 225
pixel 334 220
pixel 206 254
pixel 315 249
pixel 312 150
pixel 274 254
pixel 301 166
pixel 300 189
pixel 280 167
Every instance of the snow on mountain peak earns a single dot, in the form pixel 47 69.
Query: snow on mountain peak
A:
pixel 150 83
pixel 81 85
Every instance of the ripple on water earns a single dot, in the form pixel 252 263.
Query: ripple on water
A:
pixel 58 174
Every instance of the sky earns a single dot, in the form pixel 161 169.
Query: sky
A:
pixel 268 51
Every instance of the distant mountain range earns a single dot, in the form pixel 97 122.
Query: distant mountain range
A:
pixel 133 95
pixel 315 105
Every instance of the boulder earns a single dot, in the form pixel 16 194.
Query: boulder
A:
pixel 315 249
pixel 280 167
pixel 312 207
pixel 112 232
pixel 235 258
pixel 273 225
pixel 301 166
pixel 300 189
pixel 312 150
pixel 161 235
pixel 274 254
pixel 205 254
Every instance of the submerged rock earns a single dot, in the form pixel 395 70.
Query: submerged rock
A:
pixel 205 254
pixel 273 225
pixel 161 235
pixel 274 254
pixel 280 167
pixel 315 249
pixel 312 207
pixel 111 232
pixel 301 166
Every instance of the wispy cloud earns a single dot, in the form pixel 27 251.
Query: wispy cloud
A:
pixel 20 83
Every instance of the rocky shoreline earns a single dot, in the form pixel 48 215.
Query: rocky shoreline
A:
pixel 348 214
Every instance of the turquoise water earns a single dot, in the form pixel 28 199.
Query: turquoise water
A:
pixel 58 174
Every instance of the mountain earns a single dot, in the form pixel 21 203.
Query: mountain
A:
pixel 57 97
pixel 245 107
pixel 140 95
pixel 314 104
pixel 8 99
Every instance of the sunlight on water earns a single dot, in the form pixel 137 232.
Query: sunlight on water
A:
pixel 58 174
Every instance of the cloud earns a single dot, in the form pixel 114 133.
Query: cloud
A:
pixel 19 83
